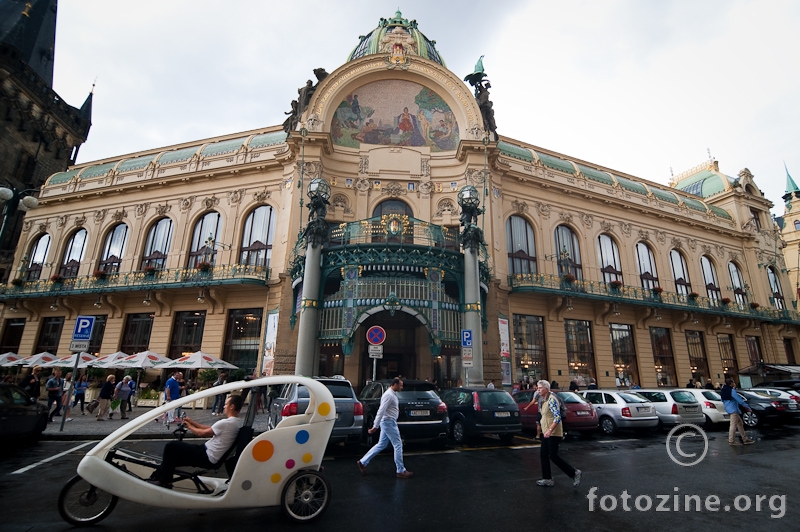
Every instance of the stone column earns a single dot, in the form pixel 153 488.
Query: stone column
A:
pixel 471 241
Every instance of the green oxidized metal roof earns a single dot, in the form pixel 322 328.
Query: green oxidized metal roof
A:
pixel 371 42
pixel 63 177
pixel 663 195
pixel 694 204
pixel 718 211
pixel 267 139
pixel 221 148
pixel 596 175
pixel 98 171
pixel 704 183
pixel 178 156
pixel 137 163
pixel 631 186
pixel 515 151
pixel 555 163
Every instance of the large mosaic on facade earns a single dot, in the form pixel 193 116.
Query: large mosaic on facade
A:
pixel 395 113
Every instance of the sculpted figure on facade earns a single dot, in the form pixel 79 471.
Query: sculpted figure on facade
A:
pixel 141 209
pixel 100 215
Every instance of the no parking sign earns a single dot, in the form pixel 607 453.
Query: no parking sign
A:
pixel 376 335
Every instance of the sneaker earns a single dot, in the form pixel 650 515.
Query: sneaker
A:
pixel 361 467
pixel 576 480
pixel 83 413
pixel 69 419
pixel 404 474
pixel 734 442
pixel 547 482
pixel 749 442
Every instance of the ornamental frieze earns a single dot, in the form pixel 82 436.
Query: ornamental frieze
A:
pixel 141 209
pixel 119 215
pixel 262 195
pixel 210 203
pixel 161 210
pixel 186 203
pixel 100 215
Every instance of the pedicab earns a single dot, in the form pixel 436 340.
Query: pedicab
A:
pixel 279 467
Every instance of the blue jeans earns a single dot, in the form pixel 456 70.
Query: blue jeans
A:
pixel 389 433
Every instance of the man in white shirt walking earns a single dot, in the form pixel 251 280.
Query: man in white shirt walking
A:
pixel 386 419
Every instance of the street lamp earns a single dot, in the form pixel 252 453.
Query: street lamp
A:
pixel 15 200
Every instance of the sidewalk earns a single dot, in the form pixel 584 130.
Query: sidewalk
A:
pixel 88 428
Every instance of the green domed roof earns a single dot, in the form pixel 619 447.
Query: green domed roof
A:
pixel 381 39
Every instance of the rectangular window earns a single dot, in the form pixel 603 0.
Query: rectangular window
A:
pixel 697 357
pixel 580 351
pixel 729 364
pixel 529 348
pixel 753 350
pixel 98 331
pixel 624 353
pixel 243 338
pixel 136 336
pixel 187 333
pixel 12 335
pixel 50 335
pixel 663 357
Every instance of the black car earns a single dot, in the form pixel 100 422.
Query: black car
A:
pixel 475 411
pixel 20 415
pixel 423 416
pixel 765 409
pixel 293 400
pixel 791 384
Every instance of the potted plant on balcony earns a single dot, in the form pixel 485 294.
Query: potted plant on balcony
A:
pixel 16 281
pixel 657 291
pixel 204 266
pixel 615 285
pixel 725 301
pixel 568 278
pixel 754 305
pixel 56 278
pixel 149 271
pixel 99 274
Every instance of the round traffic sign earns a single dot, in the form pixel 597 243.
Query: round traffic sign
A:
pixel 376 335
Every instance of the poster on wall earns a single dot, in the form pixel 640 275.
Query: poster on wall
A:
pixel 505 350
pixel 270 337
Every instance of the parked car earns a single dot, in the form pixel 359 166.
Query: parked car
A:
pixel 793 384
pixel 475 411
pixel 765 409
pixel 20 415
pixel 621 410
pixel 293 400
pixel 423 415
pixel 675 407
pixel 581 416
pixel 712 406
pixel 782 393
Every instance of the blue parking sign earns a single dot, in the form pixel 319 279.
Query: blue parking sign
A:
pixel 83 328
pixel 466 337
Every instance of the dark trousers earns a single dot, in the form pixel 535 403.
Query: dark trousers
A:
pixel 549 453
pixel 178 453
pixel 57 409
pixel 79 397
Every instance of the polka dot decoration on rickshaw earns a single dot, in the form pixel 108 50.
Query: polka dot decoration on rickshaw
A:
pixel 302 437
pixel 275 478
pixel 324 409
pixel 263 451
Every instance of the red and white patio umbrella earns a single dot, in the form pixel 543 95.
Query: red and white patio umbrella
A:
pixel 199 360
pixel 38 359
pixel 109 361
pixel 143 360
pixel 85 360
pixel 9 359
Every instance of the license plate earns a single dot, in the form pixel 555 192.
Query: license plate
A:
pixel 792 406
pixel 691 409
pixel 419 413
pixel 642 408
pixel 582 413
pixel 502 414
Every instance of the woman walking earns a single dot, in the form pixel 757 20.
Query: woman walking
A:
pixel 65 396
pixel 80 393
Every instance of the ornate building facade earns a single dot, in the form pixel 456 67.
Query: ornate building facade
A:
pixel 423 222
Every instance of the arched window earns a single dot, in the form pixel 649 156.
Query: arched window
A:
pixel 569 252
pixel 646 263
pixel 114 249
pixel 73 254
pixel 394 222
pixel 610 265
pixel 257 238
pixel 206 232
pixel 680 273
pixel 775 287
pixel 710 279
pixel 737 284
pixel 159 242
pixel 38 255
pixel 521 246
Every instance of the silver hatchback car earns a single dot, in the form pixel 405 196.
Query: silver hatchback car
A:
pixel 675 407
pixel 620 409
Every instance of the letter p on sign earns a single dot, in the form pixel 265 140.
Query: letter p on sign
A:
pixel 83 328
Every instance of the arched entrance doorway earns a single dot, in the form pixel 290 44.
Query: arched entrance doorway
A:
pixel 405 338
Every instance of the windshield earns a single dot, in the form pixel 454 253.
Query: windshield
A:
pixel 407 395
pixel 417 386
pixel 683 397
pixel 569 397
pixel 496 398
pixel 632 398
pixel 339 390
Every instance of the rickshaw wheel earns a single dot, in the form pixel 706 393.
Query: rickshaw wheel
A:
pixel 81 504
pixel 305 496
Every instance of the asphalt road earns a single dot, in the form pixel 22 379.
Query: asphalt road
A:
pixel 485 486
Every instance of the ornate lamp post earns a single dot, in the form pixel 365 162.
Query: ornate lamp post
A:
pixel 316 234
pixel 471 240
pixel 15 200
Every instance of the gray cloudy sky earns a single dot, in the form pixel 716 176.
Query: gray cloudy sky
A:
pixel 638 86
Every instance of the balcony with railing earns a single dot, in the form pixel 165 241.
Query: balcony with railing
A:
pixel 618 293
pixel 150 279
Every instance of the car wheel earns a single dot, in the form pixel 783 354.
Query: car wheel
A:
pixel 608 425
pixel 751 419
pixel 459 431
pixel 506 438
pixel 708 424
pixel 81 504
pixel 305 496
